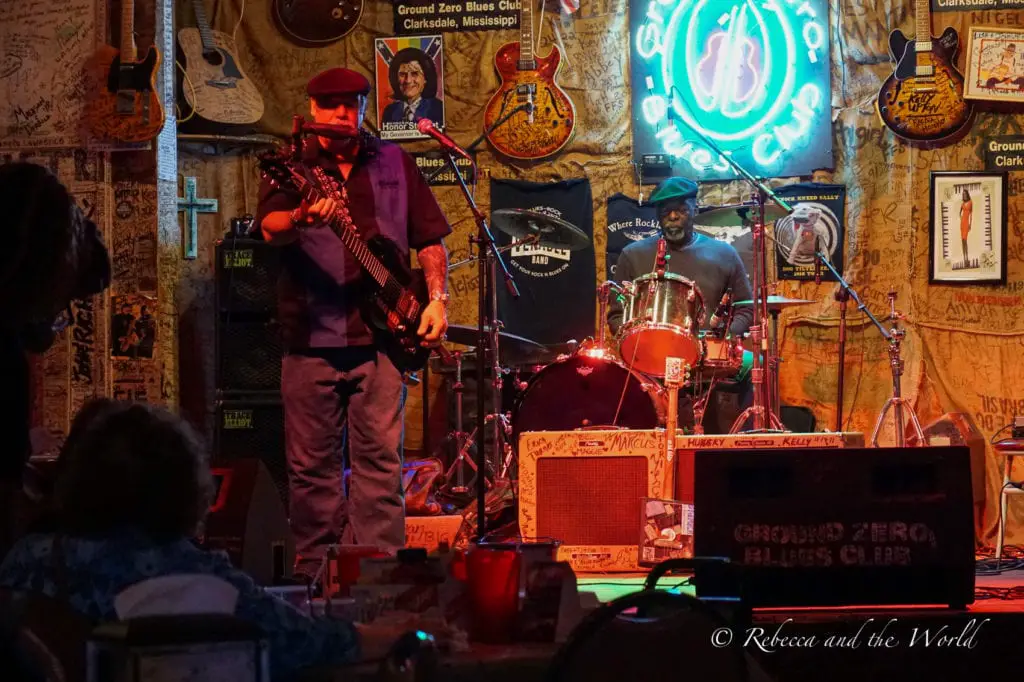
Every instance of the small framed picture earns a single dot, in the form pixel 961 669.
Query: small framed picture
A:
pixel 967 229
pixel 995 64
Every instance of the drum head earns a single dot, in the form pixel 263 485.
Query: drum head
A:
pixel 583 391
pixel 645 347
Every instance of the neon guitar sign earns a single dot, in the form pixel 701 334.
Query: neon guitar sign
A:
pixel 752 75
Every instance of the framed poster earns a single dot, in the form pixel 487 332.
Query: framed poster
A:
pixel 995 64
pixel 409 85
pixel 967 228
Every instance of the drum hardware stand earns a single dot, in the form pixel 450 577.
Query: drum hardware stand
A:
pixel 463 441
pixel 764 418
pixel 894 337
pixel 488 260
pixel 842 296
pixel 897 402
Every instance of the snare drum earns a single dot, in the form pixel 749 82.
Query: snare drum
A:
pixel 588 391
pixel 661 320
pixel 723 358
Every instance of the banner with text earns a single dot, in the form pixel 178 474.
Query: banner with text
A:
pixel 410 85
pixel 1004 153
pixel 628 222
pixel 438 171
pixel 816 223
pixel 974 5
pixel 416 16
pixel 557 293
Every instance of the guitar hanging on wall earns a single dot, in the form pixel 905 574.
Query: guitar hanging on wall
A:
pixel 214 86
pixel 547 120
pixel 123 103
pixel 923 99
pixel 315 23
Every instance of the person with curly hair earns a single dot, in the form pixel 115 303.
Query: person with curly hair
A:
pixel 414 88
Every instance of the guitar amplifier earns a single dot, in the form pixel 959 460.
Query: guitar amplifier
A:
pixel 587 488
pixel 835 527
pixel 249 351
pixel 246 275
pixel 252 428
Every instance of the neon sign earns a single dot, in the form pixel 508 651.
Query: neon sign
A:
pixel 751 75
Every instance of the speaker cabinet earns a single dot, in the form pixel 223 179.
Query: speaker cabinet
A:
pixel 253 428
pixel 248 353
pixel 248 521
pixel 585 489
pixel 246 275
pixel 836 527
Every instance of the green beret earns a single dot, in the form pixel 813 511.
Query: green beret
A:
pixel 674 188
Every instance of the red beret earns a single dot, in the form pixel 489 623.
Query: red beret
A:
pixel 338 82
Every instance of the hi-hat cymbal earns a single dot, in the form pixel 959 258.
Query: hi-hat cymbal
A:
pixel 779 302
pixel 738 215
pixel 514 348
pixel 551 232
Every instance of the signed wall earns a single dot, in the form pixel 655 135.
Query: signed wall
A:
pixel 964 342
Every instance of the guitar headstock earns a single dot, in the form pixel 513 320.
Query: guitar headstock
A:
pixel 278 170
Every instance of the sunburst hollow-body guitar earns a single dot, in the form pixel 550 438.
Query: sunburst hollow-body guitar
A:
pixel 530 116
pixel 123 103
pixel 923 99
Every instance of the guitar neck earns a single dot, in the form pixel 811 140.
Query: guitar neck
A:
pixel 205 34
pixel 923 18
pixel 360 251
pixel 128 49
pixel 526 58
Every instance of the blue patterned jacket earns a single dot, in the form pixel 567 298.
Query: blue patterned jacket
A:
pixel 98 569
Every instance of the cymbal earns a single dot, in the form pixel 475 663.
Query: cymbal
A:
pixel 737 215
pixel 517 348
pixel 551 232
pixel 779 302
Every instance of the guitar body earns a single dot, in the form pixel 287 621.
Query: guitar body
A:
pixel 385 312
pixel 123 103
pixel 554 118
pixel 930 107
pixel 315 23
pixel 214 86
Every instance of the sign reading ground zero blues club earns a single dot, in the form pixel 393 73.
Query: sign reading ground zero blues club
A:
pixel 751 75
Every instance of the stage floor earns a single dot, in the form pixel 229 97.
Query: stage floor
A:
pixel 885 642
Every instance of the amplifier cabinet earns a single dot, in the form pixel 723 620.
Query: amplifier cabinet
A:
pixel 246 275
pixel 586 488
pixel 253 428
pixel 838 527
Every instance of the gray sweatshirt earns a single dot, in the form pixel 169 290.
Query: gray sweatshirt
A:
pixel 714 265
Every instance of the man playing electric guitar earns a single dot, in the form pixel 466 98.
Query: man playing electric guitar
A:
pixel 334 371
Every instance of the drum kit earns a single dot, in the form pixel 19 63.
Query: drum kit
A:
pixel 599 383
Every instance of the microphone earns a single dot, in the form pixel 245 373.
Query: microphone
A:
pixel 721 312
pixel 426 126
pixel 330 131
pixel 817 261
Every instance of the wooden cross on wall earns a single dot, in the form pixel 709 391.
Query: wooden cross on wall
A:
pixel 193 206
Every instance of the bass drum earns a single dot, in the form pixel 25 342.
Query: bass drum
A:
pixel 585 391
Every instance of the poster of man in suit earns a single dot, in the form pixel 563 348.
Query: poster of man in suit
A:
pixel 409 85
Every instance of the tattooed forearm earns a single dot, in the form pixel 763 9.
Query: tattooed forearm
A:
pixel 434 261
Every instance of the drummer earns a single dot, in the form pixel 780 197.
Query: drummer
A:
pixel 714 265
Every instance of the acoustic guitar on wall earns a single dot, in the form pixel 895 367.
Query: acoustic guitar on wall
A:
pixel 546 119
pixel 123 103
pixel 214 86
pixel 923 99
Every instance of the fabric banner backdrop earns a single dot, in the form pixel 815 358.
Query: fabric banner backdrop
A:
pixel 557 287
pixel 628 221
pixel 817 222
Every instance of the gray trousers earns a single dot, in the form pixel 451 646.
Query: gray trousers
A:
pixel 323 391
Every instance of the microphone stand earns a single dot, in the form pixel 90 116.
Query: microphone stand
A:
pixel 764 417
pixel 842 296
pixel 527 107
pixel 488 261
pixel 894 337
